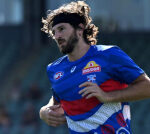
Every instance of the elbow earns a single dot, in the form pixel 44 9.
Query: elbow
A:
pixel 146 85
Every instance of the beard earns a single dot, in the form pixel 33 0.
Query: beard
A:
pixel 70 44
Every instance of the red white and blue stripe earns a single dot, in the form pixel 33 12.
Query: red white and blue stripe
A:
pixel 111 69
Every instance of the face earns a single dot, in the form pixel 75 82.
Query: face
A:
pixel 65 36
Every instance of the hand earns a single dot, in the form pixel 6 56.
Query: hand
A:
pixel 93 90
pixel 53 115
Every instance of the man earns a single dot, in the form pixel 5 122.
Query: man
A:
pixel 91 84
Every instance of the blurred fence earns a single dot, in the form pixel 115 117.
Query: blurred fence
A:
pixel 21 69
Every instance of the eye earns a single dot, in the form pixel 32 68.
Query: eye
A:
pixel 61 29
pixel 53 32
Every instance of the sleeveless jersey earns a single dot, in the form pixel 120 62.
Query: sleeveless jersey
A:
pixel 111 69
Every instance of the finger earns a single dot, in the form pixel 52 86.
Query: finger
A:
pixel 56 122
pixel 83 90
pixel 89 91
pixel 91 95
pixel 62 121
pixel 54 113
pixel 58 119
pixel 91 88
pixel 53 124
pixel 54 107
pixel 87 83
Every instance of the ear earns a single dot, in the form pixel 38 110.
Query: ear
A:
pixel 80 30
pixel 81 26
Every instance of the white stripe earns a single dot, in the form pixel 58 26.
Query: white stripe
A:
pixel 97 119
pixel 103 47
pixel 126 112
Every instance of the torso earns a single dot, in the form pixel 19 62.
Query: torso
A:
pixel 89 115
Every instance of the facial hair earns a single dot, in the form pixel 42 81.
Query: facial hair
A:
pixel 70 44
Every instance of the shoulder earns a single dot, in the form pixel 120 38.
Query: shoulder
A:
pixel 56 63
pixel 112 51
pixel 103 47
pixel 107 49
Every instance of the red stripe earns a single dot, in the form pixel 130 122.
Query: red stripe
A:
pixel 84 105
pixel 79 106
pixel 112 85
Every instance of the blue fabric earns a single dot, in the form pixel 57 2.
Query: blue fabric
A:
pixel 100 64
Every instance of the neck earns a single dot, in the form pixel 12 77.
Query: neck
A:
pixel 79 51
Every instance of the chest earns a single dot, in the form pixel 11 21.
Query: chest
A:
pixel 66 79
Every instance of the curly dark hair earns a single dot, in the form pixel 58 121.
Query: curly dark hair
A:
pixel 77 7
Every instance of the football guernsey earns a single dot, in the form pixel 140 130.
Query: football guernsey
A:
pixel 111 69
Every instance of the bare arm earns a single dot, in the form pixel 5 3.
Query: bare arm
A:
pixel 137 90
pixel 51 102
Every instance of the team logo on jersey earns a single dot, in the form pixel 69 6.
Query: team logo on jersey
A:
pixel 107 129
pixel 58 75
pixel 91 78
pixel 122 130
pixel 91 67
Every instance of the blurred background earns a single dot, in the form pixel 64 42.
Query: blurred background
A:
pixel 25 52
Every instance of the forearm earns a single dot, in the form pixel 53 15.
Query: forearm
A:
pixel 51 102
pixel 138 90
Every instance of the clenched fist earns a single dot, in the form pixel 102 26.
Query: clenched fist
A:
pixel 53 115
